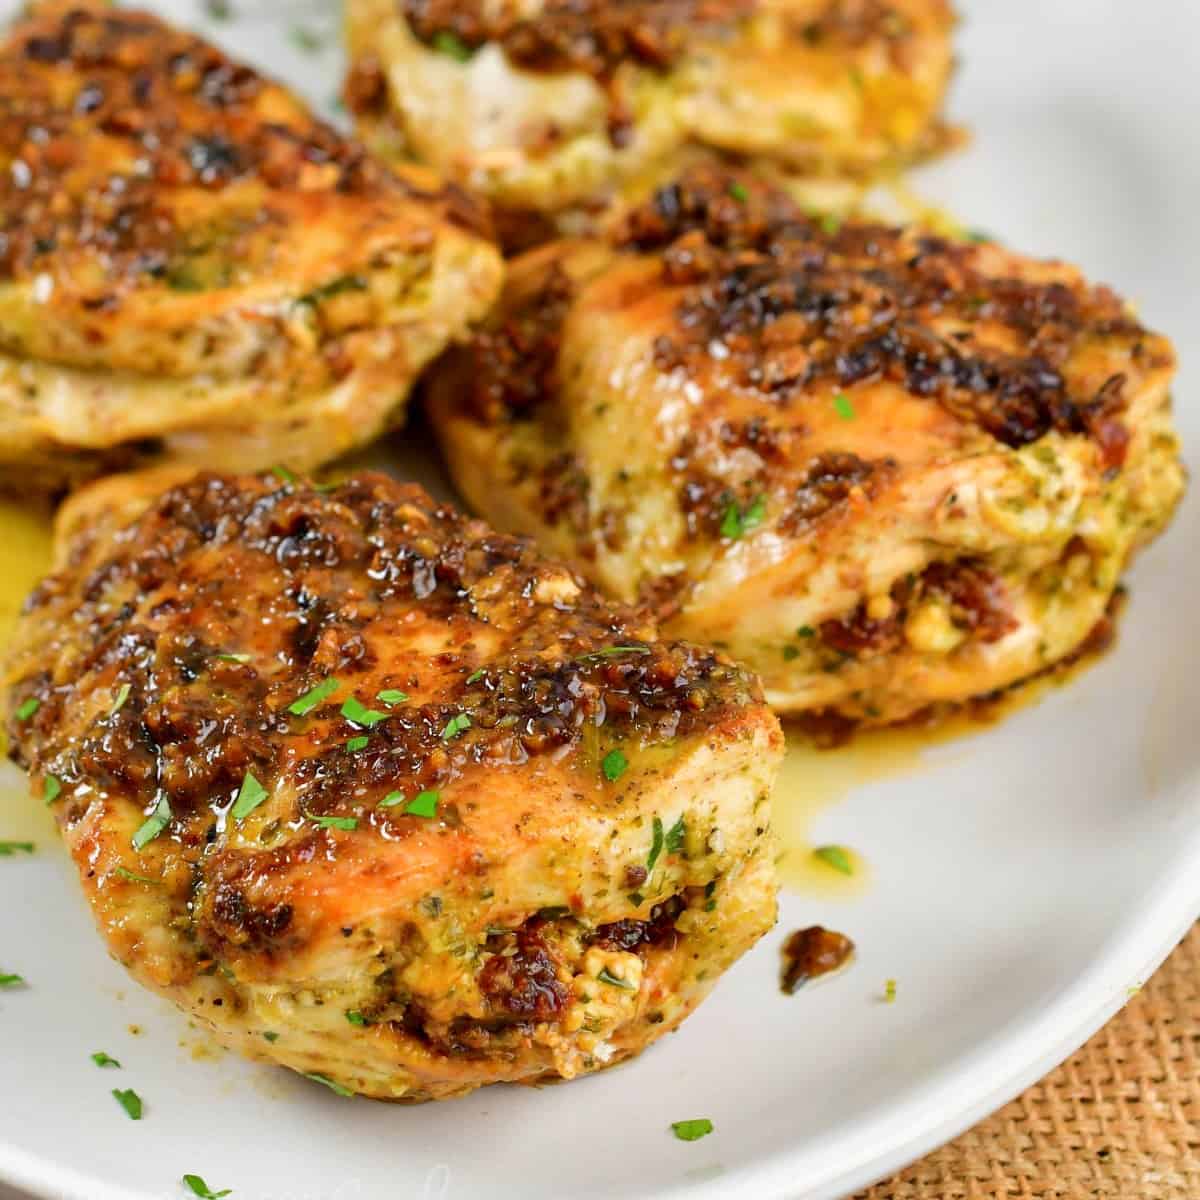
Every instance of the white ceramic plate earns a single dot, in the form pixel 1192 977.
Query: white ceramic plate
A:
pixel 1023 880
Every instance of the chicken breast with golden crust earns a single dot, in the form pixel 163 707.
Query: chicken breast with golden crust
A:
pixel 381 795
pixel 194 268
pixel 883 469
pixel 549 107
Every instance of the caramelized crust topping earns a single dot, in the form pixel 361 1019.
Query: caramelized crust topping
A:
pixel 230 598
pixel 592 36
pixel 103 110
pixel 790 303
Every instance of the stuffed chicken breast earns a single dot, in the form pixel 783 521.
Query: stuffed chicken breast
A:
pixel 193 268
pixel 549 107
pixel 379 794
pixel 884 469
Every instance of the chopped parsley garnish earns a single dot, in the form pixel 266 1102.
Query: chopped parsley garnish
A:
pixel 201 1189
pixel 391 800
pixel 130 1101
pixel 355 1017
pixel 51 789
pixel 119 702
pixel 103 1060
pixel 331 1084
pixel 736 522
pixel 347 824
pixel 312 699
pixel 450 44
pixel 676 836
pixel 476 676
pixel 615 765
pixel 606 976
pixel 237 658
pixel 355 744
pixel 250 796
pixel 889 992
pixel 126 873
pixel 390 696
pixel 835 857
pixel 612 652
pixel 656 844
pixel 155 823
pixel 8 849
pixel 11 981
pixel 738 191
pixel 806 631
pixel 979 236
pixel 843 407
pixel 424 804
pixel 791 653
pixel 28 708
pixel 456 725
pixel 335 287
pixel 358 713
pixel 271 1035
pixel 218 10
pixel 692 1131
pixel 830 224
pixel 283 475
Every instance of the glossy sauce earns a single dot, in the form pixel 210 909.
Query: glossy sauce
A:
pixel 813 781
pixel 24 559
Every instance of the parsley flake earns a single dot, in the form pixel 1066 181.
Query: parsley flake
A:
pixel 302 706
pixel 11 981
pixel 154 824
pixel 424 804
pixel 656 844
pixel 28 708
pixel 806 631
pixel 103 1060
pixel 8 849
pixel 356 1018
pixel 306 39
pixel 615 765
pixel 331 1084
pixel 676 836
pixel 283 474
pixel 250 796
pixel 201 1189
pixel 119 702
pixel 358 714
pixel 738 191
pixel 476 676
pixel 835 857
pixel 889 992
pixel 612 652
pixel 692 1131
pixel 736 522
pixel 237 658
pixel 355 744
pixel 390 696
pixel 450 44
pixel 51 789
pixel 456 725
pixel 843 407
pixel 391 800
pixel 126 873
pixel 606 976
pixel 271 1036
pixel 130 1101
pixel 346 824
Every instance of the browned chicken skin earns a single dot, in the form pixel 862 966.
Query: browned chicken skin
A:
pixel 192 267
pixel 379 794
pixel 884 469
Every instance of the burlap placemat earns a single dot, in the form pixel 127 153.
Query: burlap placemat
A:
pixel 1118 1121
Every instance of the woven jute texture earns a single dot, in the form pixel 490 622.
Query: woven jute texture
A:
pixel 1118 1121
